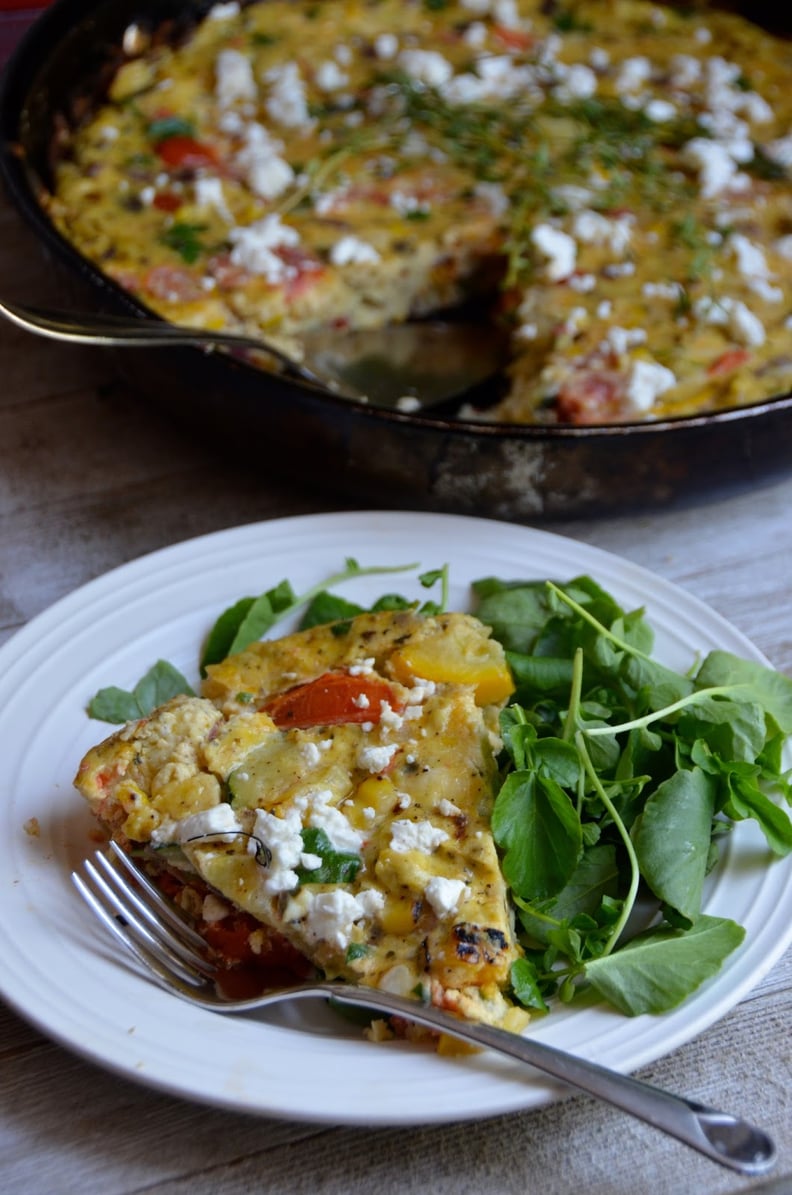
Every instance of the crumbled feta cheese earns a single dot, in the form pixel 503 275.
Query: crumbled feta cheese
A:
pixel 388 716
pixel 647 380
pixel 426 66
pixel 592 228
pixel 619 269
pixel 475 35
pixel 444 894
pixel 447 808
pixel 330 77
pixel 362 667
pixel 255 245
pixel 633 73
pixel 332 916
pixel 310 862
pixel 419 690
pixel 621 340
pixel 505 14
pixel 743 324
pixel 209 193
pixel 282 838
pixel 497 78
pixel 660 110
pixel 310 753
pixel 494 196
pixel 662 290
pixel 214 909
pixel 321 814
pixel 780 150
pixel 269 177
pixel 715 165
pixel 223 12
pixel 231 122
pixel 752 264
pixel 685 71
pixel 234 79
pixel 268 174
pixel 386 46
pixel 287 102
pixel 577 319
pixel 576 82
pixel 557 248
pixel 375 759
pixel 352 251
pixel 216 822
pixel 403 203
pixel 415 836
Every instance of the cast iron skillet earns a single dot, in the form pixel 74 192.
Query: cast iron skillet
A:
pixel 417 462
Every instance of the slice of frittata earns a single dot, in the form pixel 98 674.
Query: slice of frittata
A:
pixel 336 787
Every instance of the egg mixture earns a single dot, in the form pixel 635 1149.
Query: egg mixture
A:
pixel 334 787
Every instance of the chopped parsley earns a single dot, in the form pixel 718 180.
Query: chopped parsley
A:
pixel 184 239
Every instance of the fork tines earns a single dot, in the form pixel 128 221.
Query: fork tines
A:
pixel 129 905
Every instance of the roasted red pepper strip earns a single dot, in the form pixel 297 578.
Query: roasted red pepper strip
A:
pixel 186 152
pixel 330 700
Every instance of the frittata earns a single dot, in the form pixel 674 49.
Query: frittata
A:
pixel 611 177
pixel 334 788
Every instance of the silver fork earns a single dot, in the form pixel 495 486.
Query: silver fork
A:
pixel 130 906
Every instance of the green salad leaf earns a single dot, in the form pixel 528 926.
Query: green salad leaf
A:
pixel 159 684
pixel 658 970
pixel 618 777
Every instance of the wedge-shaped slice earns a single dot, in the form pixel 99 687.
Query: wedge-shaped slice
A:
pixel 338 797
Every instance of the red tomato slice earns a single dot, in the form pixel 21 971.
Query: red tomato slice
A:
pixel 731 359
pixel 175 284
pixel 330 700
pixel 186 152
pixel 166 201
pixel 590 397
pixel 515 39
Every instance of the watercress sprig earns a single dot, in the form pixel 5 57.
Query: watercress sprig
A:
pixel 619 776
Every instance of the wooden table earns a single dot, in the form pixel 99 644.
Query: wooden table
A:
pixel 90 478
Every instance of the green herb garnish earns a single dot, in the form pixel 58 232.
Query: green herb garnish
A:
pixel 185 240
pixel 170 126
pixel 337 867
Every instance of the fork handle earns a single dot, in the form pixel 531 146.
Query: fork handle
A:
pixel 719 1135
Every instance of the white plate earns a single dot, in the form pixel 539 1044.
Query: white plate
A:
pixel 58 967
